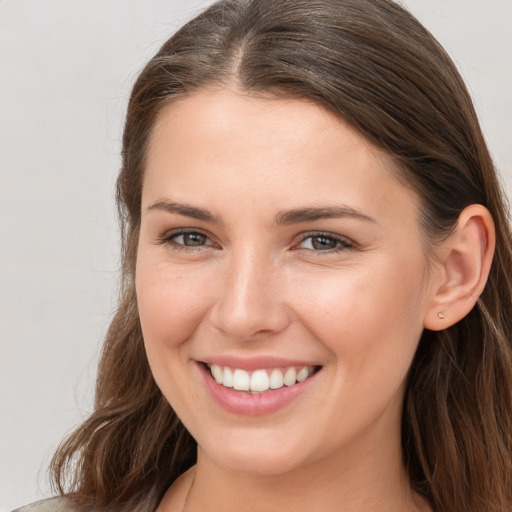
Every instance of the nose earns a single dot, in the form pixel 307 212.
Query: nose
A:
pixel 251 303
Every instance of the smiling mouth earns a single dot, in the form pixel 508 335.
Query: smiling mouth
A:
pixel 262 380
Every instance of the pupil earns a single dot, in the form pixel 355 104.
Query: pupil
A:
pixel 194 239
pixel 322 242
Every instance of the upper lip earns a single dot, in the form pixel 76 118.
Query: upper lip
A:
pixel 255 362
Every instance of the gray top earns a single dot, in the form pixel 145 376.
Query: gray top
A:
pixel 58 504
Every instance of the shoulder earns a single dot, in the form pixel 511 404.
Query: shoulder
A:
pixel 58 504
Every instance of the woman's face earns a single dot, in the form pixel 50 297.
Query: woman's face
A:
pixel 276 245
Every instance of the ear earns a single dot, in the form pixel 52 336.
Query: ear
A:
pixel 461 269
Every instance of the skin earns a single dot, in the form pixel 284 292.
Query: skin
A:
pixel 256 287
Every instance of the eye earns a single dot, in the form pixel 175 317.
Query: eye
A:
pixel 186 240
pixel 325 242
pixel 191 239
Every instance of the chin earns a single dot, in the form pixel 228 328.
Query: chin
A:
pixel 255 458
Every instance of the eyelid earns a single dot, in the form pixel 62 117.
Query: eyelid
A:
pixel 169 237
pixel 345 244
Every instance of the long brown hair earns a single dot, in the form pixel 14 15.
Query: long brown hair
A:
pixel 373 64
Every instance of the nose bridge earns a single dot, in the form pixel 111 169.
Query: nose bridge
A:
pixel 250 302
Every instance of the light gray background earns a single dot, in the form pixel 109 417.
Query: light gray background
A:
pixel 65 73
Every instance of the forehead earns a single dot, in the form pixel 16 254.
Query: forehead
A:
pixel 271 150
pixel 225 111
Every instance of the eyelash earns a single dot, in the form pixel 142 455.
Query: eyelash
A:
pixel 170 240
pixel 342 243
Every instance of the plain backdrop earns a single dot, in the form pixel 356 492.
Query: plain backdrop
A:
pixel 65 73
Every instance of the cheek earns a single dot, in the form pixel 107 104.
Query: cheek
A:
pixel 170 303
pixel 169 311
pixel 371 326
pixel 369 319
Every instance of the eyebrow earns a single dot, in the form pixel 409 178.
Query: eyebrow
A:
pixel 186 210
pixel 296 216
pixel 324 212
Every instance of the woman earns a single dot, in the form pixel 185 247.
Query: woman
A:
pixel 316 298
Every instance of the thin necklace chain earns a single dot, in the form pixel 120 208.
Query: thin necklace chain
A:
pixel 185 504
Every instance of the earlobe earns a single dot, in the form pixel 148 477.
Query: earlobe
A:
pixel 463 263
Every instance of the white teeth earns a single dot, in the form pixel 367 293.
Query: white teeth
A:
pixel 303 374
pixel 241 380
pixel 217 373
pixel 290 377
pixel 276 379
pixel 258 381
pixel 227 378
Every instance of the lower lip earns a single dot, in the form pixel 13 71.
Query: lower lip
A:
pixel 240 402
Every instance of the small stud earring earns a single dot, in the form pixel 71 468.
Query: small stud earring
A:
pixel 441 315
